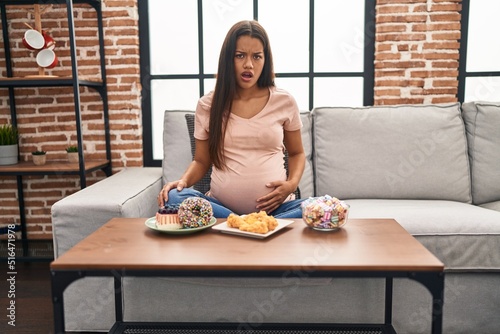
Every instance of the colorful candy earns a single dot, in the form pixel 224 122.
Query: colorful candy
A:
pixel 325 212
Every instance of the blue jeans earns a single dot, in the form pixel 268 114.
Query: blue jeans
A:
pixel 290 209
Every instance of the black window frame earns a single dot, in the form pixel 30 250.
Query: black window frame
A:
pixel 463 74
pixel 147 77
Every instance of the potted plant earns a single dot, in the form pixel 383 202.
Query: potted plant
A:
pixel 72 153
pixel 9 140
pixel 39 157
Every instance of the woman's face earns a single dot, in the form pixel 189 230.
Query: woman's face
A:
pixel 248 61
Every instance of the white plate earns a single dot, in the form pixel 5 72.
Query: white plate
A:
pixel 233 230
pixel 151 223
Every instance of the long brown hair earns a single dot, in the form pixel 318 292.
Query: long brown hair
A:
pixel 225 86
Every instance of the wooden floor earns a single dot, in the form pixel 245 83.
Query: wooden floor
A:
pixel 33 304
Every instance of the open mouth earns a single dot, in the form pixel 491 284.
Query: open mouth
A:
pixel 247 75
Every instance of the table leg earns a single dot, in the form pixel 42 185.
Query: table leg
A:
pixel 118 296
pixel 388 300
pixel 60 281
pixel 434 282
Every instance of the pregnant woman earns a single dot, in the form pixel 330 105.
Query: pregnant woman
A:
pixel 242 128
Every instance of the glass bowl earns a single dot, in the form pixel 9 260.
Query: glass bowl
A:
pixel 325 213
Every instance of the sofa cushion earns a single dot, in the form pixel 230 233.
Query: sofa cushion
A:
pixel 398 152
pixel 176 145
pixel 306 184
pixel 492 205
pixel 463 236
pixel 482 120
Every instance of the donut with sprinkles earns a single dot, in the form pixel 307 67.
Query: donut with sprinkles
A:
pixel 195 212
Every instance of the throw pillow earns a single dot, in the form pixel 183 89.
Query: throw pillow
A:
pixel 204 184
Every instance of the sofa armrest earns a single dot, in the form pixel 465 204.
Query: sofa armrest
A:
pixel 129 193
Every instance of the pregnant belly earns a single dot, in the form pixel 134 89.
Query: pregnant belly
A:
pixel 240 194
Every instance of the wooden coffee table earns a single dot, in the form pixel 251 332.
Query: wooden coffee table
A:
pixel 369 247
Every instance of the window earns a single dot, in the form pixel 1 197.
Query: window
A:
pixel 323 53
pixel 479 71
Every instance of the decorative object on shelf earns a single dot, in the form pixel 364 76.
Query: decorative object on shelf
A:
pixel 47 58
pixel 50 43
pixel 9 144
pixel 72 153
pixel 39 157
pixel 33 40
pixel 36 39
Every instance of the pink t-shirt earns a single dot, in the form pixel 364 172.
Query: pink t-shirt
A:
pixel 253 149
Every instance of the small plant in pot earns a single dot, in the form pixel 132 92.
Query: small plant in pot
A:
pixel 9 144
pixel 39 157
pixel 72 153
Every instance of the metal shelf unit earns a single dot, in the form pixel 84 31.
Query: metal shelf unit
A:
pixel 99 84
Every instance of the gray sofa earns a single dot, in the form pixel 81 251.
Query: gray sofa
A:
pixel 433 168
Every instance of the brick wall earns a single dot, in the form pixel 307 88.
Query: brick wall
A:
pixel 46 116
pixel 416 56
pixel 416 61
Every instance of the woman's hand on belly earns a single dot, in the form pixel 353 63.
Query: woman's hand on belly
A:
pixel 271 201
pixel 240 190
